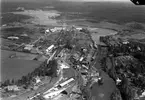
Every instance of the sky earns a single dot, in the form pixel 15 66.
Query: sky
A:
pixel 99 0
pixel 76 0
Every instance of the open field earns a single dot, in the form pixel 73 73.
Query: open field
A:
pixel 13 68
pixel 19 55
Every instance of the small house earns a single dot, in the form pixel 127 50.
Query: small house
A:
pixel 12 88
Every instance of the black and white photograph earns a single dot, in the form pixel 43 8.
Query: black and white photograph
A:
pixel 72 50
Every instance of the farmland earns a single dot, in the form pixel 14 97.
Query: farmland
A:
pixel 15 68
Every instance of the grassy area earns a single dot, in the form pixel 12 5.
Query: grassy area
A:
pixel 16 68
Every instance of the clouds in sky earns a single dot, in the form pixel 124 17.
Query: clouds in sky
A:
pixel 76 0
pixel 99 0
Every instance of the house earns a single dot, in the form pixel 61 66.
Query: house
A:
pixel 47 31
pixel 81 59
pixel 13 88
pixel 143 94
pixel 37 79
pixel 125 42
pixel 79 28
pixel 118 81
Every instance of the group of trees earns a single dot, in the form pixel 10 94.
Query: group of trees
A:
pixel 8 82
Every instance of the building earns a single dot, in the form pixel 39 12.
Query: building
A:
pixel 28 47
pixel 53 94
pixel 37 79
pixel 55 91
pixel 4 25
pixel 20 9
pixel 49 48
pixel 79 28
pixel 125 42
pixel 13 37
pixel 47 30
pixel 51 57
pixel 84 66
pixel 25 35
pixel 66 82
pixel 13 88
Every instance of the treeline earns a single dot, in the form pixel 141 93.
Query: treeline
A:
pixel 44 70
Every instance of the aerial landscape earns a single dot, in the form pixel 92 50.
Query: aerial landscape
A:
pixel 72 50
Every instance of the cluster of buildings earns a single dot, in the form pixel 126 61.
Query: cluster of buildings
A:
pixel 54 91
pixel 55 29
pixel 58 29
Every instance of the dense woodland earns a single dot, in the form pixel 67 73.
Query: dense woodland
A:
pixel 129 67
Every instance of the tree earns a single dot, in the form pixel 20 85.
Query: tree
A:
pixel 7 82
pixel 53 68
pixel 12 81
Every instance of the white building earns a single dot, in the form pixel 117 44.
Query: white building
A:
pixel 57 29
pixel 85 66
pixel 13 37
pixel 52 94
pixel 81 59
pixel 37 79
pixel 118 81
pixel 49 48
pixel 4 25
pixel 138 48
pixel 25 35
pixel 13 88
pixel 79 28
pixel 51 57
pixel 66 82
pixel 54 91
pixel 47 31
pixel 95 45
